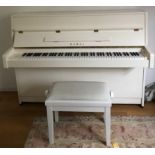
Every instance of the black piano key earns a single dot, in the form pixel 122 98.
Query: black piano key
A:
pixel 92 54
pixel 107 53
pixel 66 54
pixel 110 54
pixel 29 54
pixel 50 54
pixel 103 54
pixel 76 54
pixel 98 54
pixel 119 53
pixel 60 54
pixel 85 54
pixel 115 54
pixel 44 54
pixel 55 54
pixel 70 54
pixel 24 54
pixel 127 53
pixel 82 54
pixel 132 54
pixel 37 54
pixel 137 54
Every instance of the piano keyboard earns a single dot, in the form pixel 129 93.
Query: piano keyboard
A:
pixel 82 54
pixel 79 57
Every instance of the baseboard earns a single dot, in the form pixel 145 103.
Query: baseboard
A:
pixel 8 89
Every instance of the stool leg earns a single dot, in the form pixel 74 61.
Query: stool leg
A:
pixel 107 120
pixel 56 116
pixel 50 125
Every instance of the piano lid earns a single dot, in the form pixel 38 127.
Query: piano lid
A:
pixel 80 29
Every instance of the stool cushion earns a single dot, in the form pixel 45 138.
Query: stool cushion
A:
pixel 79 90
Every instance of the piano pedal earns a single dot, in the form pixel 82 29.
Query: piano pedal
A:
pixel 115 145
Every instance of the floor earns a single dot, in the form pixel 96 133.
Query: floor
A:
pixel 16 120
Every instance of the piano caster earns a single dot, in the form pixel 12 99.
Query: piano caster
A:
pixel 20 101
pixel 141 105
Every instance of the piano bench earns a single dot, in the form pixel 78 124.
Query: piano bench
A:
pixel 79 96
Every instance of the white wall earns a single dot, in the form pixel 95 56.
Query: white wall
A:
pixel 7 76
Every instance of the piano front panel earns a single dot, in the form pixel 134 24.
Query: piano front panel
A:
pixel 125 83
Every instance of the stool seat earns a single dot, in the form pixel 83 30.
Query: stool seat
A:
pixel 78 93
pixel 74 90
pixel 78 96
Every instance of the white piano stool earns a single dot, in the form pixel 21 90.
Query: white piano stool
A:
pixel 79 97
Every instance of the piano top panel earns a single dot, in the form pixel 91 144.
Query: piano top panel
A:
pixel 78 20
pixel 83 29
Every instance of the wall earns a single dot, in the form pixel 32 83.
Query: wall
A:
pixel 7 76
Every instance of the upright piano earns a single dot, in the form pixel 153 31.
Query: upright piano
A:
pixel 80 46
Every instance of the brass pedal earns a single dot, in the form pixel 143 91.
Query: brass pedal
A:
pixel 115 145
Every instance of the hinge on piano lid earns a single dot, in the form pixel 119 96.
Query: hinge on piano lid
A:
pixel 58 31
pixel 136 29
pixel 20 31
pixel 96 30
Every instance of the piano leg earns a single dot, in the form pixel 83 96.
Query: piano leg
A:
pixel 143 92
pixel 19 101
pixel 56 116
